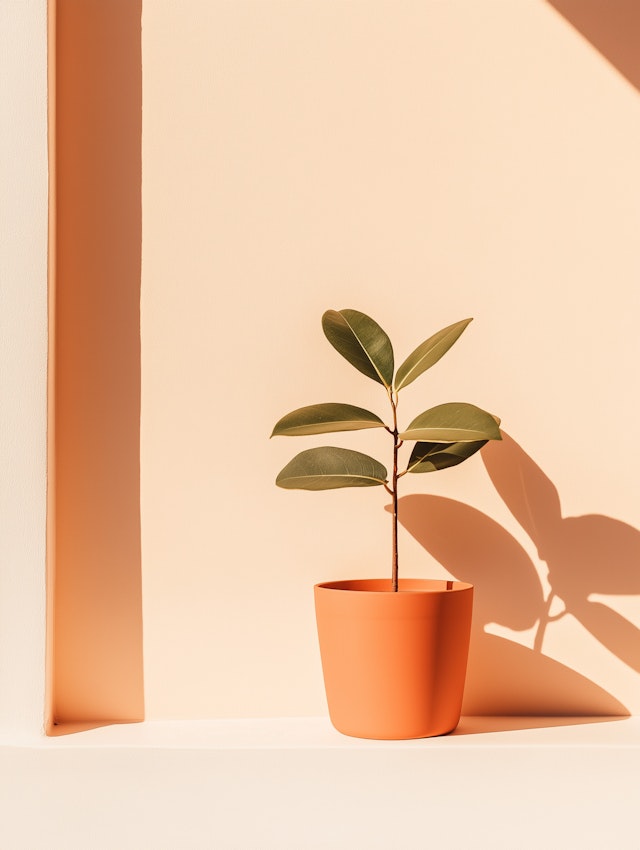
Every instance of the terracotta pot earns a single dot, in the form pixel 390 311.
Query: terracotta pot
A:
pixel 394 663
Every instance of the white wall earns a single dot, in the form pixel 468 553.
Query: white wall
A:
pixel 23 361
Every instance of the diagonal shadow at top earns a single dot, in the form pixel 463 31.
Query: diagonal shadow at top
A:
pixel 612 27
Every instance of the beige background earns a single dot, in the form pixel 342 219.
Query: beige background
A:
pixel 132 775
pixel 421 162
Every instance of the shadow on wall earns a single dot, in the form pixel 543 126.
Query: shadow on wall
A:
pixel 95 612
pixel 584 555
pixel 612 27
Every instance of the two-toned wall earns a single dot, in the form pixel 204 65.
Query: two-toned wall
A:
pixel 222 174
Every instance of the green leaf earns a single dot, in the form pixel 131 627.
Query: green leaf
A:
pixel 362 342
pixel 428 353
pixel 329 468
pixel 322 418
pixel 429 457
pixel 452 423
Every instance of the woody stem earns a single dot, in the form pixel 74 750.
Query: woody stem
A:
pixel 394 494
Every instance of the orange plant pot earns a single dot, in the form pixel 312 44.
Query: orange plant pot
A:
pixel 394 664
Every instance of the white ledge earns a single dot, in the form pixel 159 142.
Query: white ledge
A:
pixel 296 784
pixel 317 733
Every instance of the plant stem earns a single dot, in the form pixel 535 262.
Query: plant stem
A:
pixel 394 493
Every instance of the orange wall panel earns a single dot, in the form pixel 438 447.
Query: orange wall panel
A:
pixel 95 656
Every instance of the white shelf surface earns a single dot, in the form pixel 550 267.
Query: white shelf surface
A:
pixel 514 783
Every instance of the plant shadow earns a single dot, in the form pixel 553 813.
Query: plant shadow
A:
pixel 584 555
pixel 479 725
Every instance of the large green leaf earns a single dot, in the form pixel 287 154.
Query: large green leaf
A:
pixel 428 353
pixel 429 457
pixel 362 342
pixel 453 423
pixel 328 468
pixel 323 418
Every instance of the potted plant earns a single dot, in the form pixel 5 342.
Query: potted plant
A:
pixel 394 651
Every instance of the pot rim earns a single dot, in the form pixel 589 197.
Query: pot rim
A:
pixel 425 585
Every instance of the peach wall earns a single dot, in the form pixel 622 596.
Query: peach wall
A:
pixel 422 162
